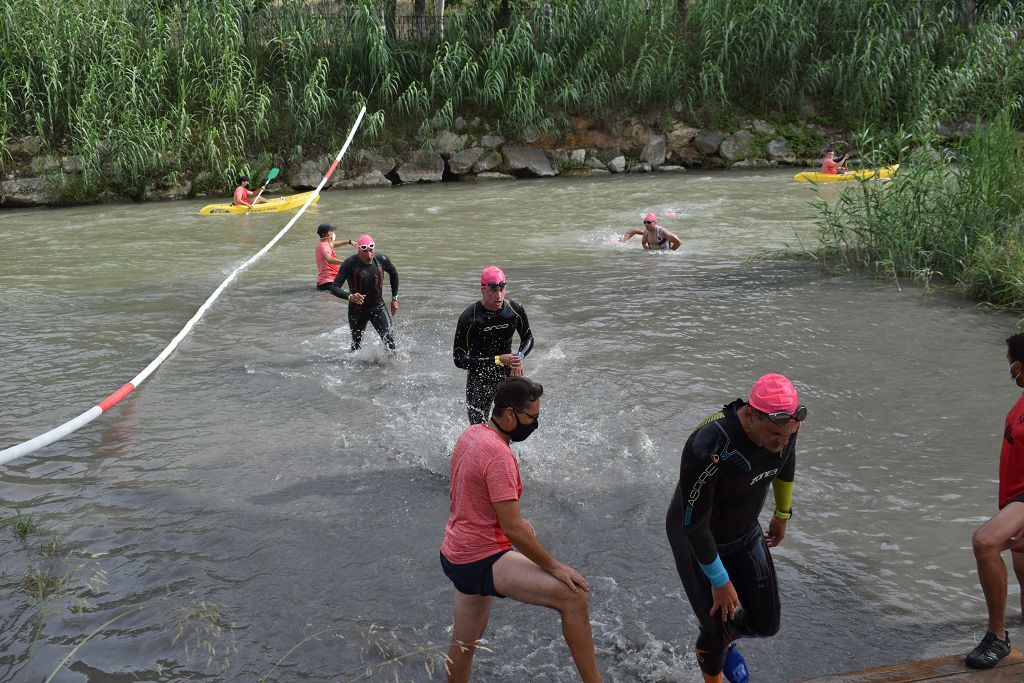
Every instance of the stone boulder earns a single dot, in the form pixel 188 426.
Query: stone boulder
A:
pixel 308 173
pixel 25 192
pixel 578 156
pixel 679 145
pixel 642 167
pixel 27 147
pixel 654 151
pixel 447 143
pixel 41 165
pixel 488 161
pixel 753 163
pixel 423 167
pixel 762 127
pixel 527 161
pixel 617 165
pixel 737 146
pixel 707 141
pixel 492 141
pixel 595 164
pixel 779 152
pixel 490 175
pixel 383 165
pixel 462 162
pixel 459 124
pixel 667 168
pixel 72 164
pixel 374 178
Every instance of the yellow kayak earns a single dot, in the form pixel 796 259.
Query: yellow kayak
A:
pixel 273 206
pixel 866 174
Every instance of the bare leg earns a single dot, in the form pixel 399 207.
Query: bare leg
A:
pixel 518 577
pixel 471 615
pixel 989 541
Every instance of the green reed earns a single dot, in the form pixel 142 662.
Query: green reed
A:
pixel 960 223
pixel 146 92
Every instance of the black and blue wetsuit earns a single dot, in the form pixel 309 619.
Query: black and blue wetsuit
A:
pixel 479 337
pixel 367 279
pixel 723 481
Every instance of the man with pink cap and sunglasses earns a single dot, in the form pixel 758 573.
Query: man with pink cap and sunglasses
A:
pixel 364 273
pixel 483 343
pixel 720 550
pixel 654 236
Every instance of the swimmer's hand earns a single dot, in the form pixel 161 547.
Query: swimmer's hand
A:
pixel 725 599
pixel 776 532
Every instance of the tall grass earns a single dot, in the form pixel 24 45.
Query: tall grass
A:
pixel 959 224
pixel 147 91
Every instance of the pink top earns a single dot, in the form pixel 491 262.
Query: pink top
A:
pixel 829 166
pixel 484 472
pixel 325 272
pixel 1011 459
pixel 242 196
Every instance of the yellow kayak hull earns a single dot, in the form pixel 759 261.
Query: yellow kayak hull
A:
pixel 272 206
pixel 866 174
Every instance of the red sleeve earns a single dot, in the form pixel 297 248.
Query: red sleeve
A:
pixel 502 477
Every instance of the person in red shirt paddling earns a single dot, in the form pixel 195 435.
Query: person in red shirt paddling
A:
pixel 244 196
pixel 829 165
pixel 490 551
pixel 1004 530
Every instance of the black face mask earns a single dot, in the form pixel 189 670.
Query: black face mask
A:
pixel 521 431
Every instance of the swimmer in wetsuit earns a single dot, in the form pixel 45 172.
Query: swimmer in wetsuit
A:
pixel 655 238
pixel 483 342
pixel 720 551
pixel 364 272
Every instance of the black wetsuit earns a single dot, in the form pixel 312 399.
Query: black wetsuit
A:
pixel 367 279
pixel 723 481
pixel 479 337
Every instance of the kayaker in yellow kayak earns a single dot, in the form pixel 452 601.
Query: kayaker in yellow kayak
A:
pixel 242 193
pixel 829 166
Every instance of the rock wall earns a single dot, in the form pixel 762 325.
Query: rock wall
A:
pixel 470 152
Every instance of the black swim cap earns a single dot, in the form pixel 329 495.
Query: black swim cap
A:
pixel 324 228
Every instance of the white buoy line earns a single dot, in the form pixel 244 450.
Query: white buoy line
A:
pixel 71 426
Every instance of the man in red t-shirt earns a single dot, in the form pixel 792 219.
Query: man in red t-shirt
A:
pixel 829 165
pixel 1005 531
pixel 243 193
pixel 485 525
pixel 326 261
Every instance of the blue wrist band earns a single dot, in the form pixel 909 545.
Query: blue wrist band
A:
pixel 715 572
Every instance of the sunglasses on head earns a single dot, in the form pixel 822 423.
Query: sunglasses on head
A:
pixel 495 286
pixel 782 418
pixel 366 247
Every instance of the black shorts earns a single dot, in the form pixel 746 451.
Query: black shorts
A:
pixel 473 578
pixel 1018 499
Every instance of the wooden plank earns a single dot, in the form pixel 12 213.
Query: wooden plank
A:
pixel 949 669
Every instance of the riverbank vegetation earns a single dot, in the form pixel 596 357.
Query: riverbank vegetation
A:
pixel 149 90
pixel 959 224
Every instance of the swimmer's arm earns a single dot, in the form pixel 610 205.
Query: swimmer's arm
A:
pixel 698 480
pixel 392 272
pixel 674 242
pixel 631 233
pixel 339 280
pixel 523 327
pixel 460 348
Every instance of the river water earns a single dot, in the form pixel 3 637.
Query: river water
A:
pixel 274 504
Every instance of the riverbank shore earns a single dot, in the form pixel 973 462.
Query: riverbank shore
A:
pixel 469 151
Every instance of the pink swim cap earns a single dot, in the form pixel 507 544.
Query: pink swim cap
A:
pixel 773 393
pixel 491 275
pixel 650 217
pixel 364 240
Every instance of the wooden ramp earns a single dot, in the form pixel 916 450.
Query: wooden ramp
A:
pixel 943 669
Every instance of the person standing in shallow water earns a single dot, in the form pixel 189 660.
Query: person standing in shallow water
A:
pixel 721 552
pixel 327 262
pixel 483 342
pixel 489 551
pixel 1003 531
pixel 364 272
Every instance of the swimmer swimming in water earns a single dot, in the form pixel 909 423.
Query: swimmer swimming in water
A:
pixel 654 237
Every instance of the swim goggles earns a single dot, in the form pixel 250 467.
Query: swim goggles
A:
pixel 366 247
pixel 648 222
pixel 495 286
pixel 782 418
